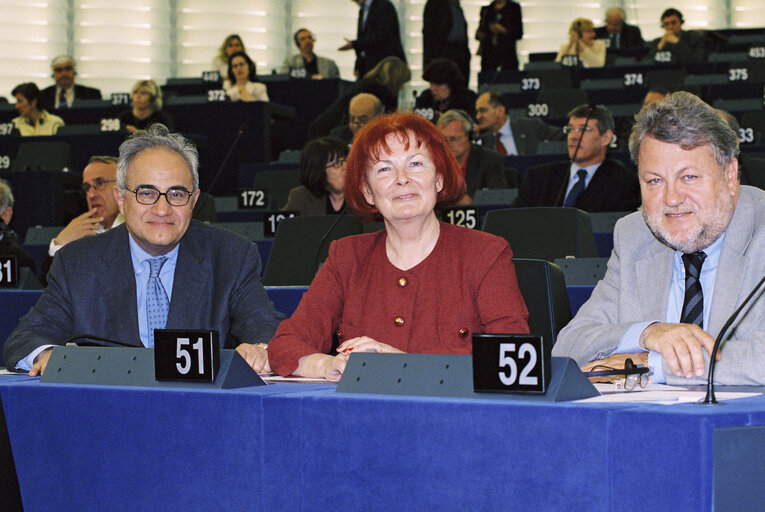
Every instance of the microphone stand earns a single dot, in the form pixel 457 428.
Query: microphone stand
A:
pixel 710 397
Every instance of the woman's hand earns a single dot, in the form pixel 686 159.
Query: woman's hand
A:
pixel 255 355
pixel 244 94
pixel 366 344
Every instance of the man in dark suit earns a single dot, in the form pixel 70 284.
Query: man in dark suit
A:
pixel 444 35
pixel 617 34
pixel 377 35
pixel 65 93
pixel 677 45
pixel 507 136
pixel 588 181
pixel 160 269
pixel 483 168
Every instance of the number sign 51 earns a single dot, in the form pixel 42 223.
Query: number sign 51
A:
pixel 186 355
pixel 510 363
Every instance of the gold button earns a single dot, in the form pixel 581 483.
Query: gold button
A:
pixel 464 332
pixel 402 281
pixel 399 321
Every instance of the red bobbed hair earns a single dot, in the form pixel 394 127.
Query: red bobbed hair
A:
pixel 410 129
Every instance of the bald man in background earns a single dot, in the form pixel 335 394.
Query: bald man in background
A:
pixel 363 108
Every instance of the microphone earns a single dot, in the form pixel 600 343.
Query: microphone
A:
pixel 97 341
pixel 240 132
pixel 324 238
pixel 561 193
pixel 710 396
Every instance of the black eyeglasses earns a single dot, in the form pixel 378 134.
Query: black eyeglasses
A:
pixel 98 184
pixel 634 376
pixel 175 196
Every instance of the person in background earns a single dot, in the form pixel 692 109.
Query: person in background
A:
pixel 9 240
pixel 447 91
pixel 589 180
pixel 65 92
pixel 146 107
pixel 241 82
pixel 385 291
pixel 314 66
pixel 32 119
pixel 481 167
pixel 377 36
pixel 363 108
pixel 618 34
pixel 384 81
pixel 519 136
pixel 677 45
pixel 322 174
pixel 444 35
pixel 590 52
pixel 232 44
pixel 500 27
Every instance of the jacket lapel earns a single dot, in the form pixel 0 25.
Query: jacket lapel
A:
pixel 121 304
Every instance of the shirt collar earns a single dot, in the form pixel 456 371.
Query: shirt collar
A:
pixel 139 256
pixel 710 262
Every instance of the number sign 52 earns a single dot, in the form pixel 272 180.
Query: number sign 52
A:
pixel 510 363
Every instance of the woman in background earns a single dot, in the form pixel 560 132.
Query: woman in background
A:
pixel 232 44
pixel 447 90
pixel 322 174
pixel 590 52
pixel 146 108
pixel 242 82
pixel 32 119
pixel 419 285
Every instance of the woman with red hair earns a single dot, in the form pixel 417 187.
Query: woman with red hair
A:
pixel 419 285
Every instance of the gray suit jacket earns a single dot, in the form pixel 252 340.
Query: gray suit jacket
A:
pixel 327 67
pixel 636 288
pixel 92 290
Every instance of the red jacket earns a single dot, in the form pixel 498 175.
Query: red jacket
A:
pixel 466 285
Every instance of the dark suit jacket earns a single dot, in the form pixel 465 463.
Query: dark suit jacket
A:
pixel 81 92
pixel 528 132
pixel 485 169
pixel 631 37
pixel 690 48
pixel 503 53
pixel 437 20
pixel 379 38
pixel 92 290
pixel 613 188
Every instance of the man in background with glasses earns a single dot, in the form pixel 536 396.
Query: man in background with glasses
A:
pixel 685 263
pixel 158 270
pixel 99 178
pixel 589 180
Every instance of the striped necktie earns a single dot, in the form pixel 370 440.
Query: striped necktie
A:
pixel 693 303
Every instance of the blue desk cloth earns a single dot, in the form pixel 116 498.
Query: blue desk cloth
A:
pixel 303 447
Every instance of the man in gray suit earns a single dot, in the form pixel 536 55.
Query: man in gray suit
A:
pixel 160 269
pixel 681 266
pixel 507 136
pixel 307 64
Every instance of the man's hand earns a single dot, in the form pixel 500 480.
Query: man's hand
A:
pixel 681 346
pixel 256 357
pixel 668 37
pixel 41 361
pixel 81 226
pixel 347 46
pixel 615 361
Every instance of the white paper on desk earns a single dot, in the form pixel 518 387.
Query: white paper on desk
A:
pixel 273 378
pixel 3 371
pixel 658 394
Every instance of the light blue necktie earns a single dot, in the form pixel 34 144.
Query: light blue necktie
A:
pixel 157 304
pixel 576 190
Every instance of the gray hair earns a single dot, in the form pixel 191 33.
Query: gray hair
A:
pixel 456 115
pixel 63 59
pixel 157 136
pixel 102 159
pixel 6 196
pixel 603 116
pixel 683 119
pixel 619 10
